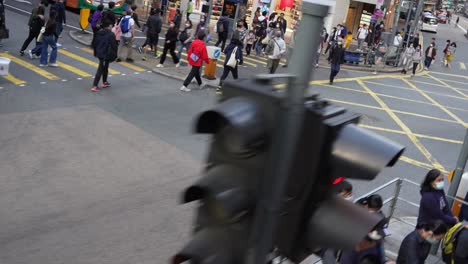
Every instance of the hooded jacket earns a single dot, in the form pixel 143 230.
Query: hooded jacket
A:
pixel 228 51
pixel 105 45
pixel 434 206
pixel 199 49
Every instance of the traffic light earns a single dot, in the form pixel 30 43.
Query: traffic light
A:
pixel 332 147
pixel 242 127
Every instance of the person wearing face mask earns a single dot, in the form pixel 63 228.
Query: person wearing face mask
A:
pixel 336 58
pixel 416 245
pixel 417 57
pixel 433 205
pixel 431 52
pixel 185 38
pixel 170 45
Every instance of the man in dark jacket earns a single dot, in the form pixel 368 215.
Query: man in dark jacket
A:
pixel 153 28
pixel 61 18
pixel 222 28
pixel 336 58
pixel 229 51
pixel 282 23
pixel 109 14
pixel 105 49
pixel 170 45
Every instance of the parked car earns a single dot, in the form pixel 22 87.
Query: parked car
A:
pixel 442 18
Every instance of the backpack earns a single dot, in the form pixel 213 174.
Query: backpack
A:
pixel 220 26
pixel 125 25
pixel 450 241
pixel 183 36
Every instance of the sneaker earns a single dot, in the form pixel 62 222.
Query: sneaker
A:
pixel 184 89
pixel 159 66
pixel 58 44
pixel 129 60
pixel 42 65
pixel 425 68
pixel 106 85
pixel 331 83
pixel 219 91
pixel 157 56
pixel 95 89
pixel 177 65
pixel 202 86
pixel 118 60
pixel 22 52
pixel 30 54
pixel 35 56
pixel 316 65
pixel 140 49
pixel 55 65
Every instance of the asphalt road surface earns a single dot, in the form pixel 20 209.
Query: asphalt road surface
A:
pixel 96 177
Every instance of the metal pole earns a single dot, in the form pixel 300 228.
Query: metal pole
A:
pixel 408 18
pixel 302 66
pixel 396 18
pixel 417 16
pixel 457 175
pixel 392 208
pixel 210 11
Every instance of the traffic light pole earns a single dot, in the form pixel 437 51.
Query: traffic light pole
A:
pixel 417 16
pixel 302 66
pixel 457 176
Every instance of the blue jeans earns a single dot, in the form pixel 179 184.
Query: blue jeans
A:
pixel 46 42
pixel 181 48
pixel 335 69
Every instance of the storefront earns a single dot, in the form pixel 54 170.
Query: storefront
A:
pixel 359 13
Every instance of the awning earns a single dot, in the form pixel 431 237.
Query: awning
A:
pixel 373 2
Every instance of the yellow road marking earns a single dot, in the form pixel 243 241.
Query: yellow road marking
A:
pixel 419 164
pixel 31 67
pixel 449 74
pixel 457 90
pixel 403 126
pixel 13 79
pixel 73 69
pixel 455 117
pixel 126 64
pixel 185 54
pixel 83 60
pixel 462 66
pixel 409 89
pixel 417 135
pixel 245 62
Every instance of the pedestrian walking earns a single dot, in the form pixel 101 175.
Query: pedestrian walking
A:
pixel 275 50
pixel 455 245
pixel 135 15
pixel 197 54
pixel 127 27
pixel 105 49
pixel 222 28
pixel 282 22
pixel 36 22
pixel 433 205
pixel 170 45
pixel 416 246
pixel 49 38
pixel 109 15
pixel 61 19
pixel 450 54
pixel 233 53
pixel 380 51
pixel 250 41
pixel 185 38
pixel 458 20
pixel 430 53
pixel 362 36
pixel 408 58
pixel 336 58
pixel 261 33
pixel 153 28
pixel 417 57
pixel 96 20
pixel 445 51
pixel 189 9
pixel 323 39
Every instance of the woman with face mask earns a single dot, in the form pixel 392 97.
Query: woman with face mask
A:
pixel 433 205
pixel 416 245
pixel 185 38
pixel 170 45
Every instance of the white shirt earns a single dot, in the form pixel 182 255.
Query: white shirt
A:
pixel 279 48
pixel 397 40
pixel 131 24
pixel 362 33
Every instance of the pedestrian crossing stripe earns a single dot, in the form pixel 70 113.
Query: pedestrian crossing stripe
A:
pixel 73 69
pixel 30 66
pixel 462 66
pixel 13 79
pixel 183 53
pixel 245 62
pixel 126 64
pixel 85 61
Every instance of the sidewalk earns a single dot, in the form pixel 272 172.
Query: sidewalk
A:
pixel 180 73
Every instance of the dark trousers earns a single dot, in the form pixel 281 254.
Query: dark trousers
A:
pixel 226 71
pixel 194 72
pixel 102 70
pixel 415 65
pixel 428 62
pixel 248 48
pixel 31 36
pixel 274 65
pixel 335 69
pixel 171 49
pixel 95 31
pixel 221 39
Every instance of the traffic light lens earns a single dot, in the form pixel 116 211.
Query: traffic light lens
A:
pixel 338 180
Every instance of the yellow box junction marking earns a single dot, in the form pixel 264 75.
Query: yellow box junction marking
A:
pixel 126 64
pixel 31 67
pixel 83 60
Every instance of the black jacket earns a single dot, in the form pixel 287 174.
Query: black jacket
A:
pixel 105 45
pixel 154 25
pixel 109 16
pixel 337 55
pixel 171 35
pixel 228 51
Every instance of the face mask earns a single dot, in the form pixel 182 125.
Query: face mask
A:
pixel 187 25
pixel 439 185
pixel 171 26
pixel 349 198
pixel 431 240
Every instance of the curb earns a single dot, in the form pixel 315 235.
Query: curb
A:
pixel 73 35
pixel 179 78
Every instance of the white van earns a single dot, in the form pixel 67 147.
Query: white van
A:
pixel 429 23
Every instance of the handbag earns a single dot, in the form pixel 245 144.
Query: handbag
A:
pixel 266 40
pixel 232 62
pixel 4 33
pixel 41 34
